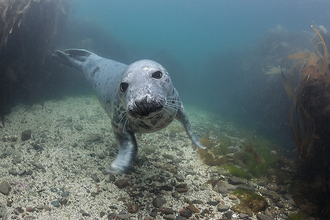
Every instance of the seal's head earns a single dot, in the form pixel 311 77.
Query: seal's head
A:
pixel 147 92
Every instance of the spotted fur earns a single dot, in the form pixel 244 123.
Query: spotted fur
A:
pixel 138 98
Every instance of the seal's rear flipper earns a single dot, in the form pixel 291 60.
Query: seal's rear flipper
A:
pixel 127 152
pixel 72 57
pixel 182 117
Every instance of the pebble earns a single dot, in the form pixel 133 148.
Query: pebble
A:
pixel 38 165
pixel 179 178
pixel 26 135
pixel 21 172
pixel 222 208
pixel 122 183
pixel 193 208
pixel 95 178
pixel 213 203
pixel 232 197
pixel 167 211
pixel 186 213
pixel 169 217
pixel 158 202
pixel 12 172
pixel 55 203
pixel 235 180
pixel 133 208
pixel 78 127
pixel 153 213
pixel 40 206
pixel 29 209
pixel 112 178
pixel 264 217
pixel 18 210
pixel 4 187
pixel 223 187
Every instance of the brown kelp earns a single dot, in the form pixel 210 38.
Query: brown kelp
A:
pixel 258 159
pixel 310 97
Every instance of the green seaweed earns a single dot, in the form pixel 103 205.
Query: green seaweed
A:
pixel 296 216
pixel 250 201
pixel 222 147
pixel 236 171
pixel 263 146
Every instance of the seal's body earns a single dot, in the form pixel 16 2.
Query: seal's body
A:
pixel 138 98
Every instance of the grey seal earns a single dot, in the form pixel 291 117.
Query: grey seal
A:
pixel 138 98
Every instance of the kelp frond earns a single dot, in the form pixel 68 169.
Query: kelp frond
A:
pixel 315 67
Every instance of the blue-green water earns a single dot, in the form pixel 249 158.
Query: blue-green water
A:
pixel 216 51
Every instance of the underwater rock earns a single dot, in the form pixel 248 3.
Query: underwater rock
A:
pixel 223 187
pixel 122 183
pixel 169 217
pixel 26 135
pixel 192 208
pixel 222 208
pixel 95 178
pixel 264 217
pixel 78 127
pixel 235 180
pixel 4 187
pixel 158 202
pixel 167 211
pixel 132 208
pixel 179 178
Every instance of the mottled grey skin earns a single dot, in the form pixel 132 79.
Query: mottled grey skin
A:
pixel 138 98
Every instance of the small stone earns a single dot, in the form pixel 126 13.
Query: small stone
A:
pixel 18 210
pixel 235 180
pixel 26 135
pixel 112 178
pixel 55 204
pixel 193 208
pixel 95 178
pixel 29 209
pixel 4 187
pixel 243 215
pixel 179 178
pixel 78 127
pixel 12 172
pixel 102 214
pixel 186 213
pixel 196 201
pixel 21 172
pixel 167 211
pixel 264 217
pixel 132 208
pixel 153 213
pixel 213 203
pixel 122 183
pixel 86 214
pixel 223 208
pixel 65 194
pixel 40 206
pixel 38 165
pixel 181 190
pixel 175 195
pixel 232 197
pixel 158 202
pixel 169 217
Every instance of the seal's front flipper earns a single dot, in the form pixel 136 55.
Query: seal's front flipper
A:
pixel 182 117
pixel 72 57
pixel 127 152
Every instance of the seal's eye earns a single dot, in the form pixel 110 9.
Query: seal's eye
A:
pixel 157 75
pixel 123 86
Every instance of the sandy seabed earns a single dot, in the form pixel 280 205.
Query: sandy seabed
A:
pixel 71 140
